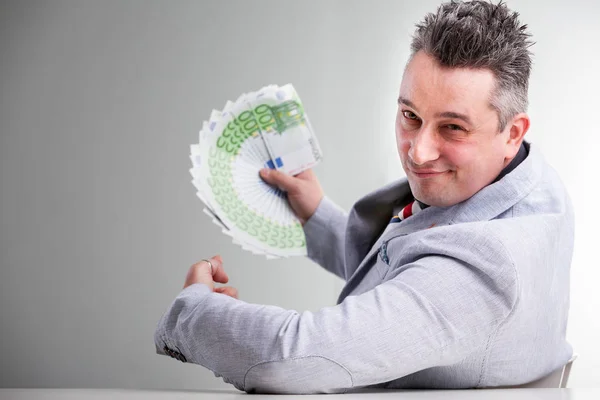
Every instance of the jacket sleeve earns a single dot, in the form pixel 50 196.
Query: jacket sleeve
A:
pixel 325 235
pixel 436 311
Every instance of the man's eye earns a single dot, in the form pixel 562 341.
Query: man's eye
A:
pixel 410 115
pixel 454 127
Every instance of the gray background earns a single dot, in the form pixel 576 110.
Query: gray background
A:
pixel 99 102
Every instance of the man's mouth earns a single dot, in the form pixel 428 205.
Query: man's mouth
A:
pixel 427 173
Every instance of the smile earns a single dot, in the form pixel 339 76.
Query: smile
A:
pixel 427 174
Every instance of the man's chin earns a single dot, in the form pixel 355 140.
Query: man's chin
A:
pixel 424 196
pixel 430 197
pixel 436 200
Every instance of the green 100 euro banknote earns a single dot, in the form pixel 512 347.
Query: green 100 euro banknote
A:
pixel 268 128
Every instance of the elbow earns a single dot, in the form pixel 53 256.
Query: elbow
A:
pixel 305 375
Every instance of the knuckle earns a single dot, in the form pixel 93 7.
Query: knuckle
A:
pixel 199 265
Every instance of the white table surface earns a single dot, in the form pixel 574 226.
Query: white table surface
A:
pixel 127 394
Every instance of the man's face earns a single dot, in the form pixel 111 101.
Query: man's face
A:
pixel 447 132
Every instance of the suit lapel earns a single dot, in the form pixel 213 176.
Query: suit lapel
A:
pixel 371 214
pixel 367 220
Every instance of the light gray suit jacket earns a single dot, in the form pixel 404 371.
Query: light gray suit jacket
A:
pixel 472 295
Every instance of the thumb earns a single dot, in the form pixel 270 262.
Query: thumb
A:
pixel 219 274
pixel 278 178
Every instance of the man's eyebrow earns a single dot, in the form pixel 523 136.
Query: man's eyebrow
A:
pixel 446 114
pixel 407 102
pixel 450 114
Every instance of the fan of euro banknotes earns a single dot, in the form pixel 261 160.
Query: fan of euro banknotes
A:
pixel 263 129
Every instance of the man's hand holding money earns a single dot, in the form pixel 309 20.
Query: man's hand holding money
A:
pixel 304 191
pixel 266 129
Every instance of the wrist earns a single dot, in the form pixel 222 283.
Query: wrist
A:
pixel 313 209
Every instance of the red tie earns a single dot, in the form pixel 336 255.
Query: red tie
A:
pixel 410 209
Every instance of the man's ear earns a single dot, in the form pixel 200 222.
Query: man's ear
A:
pixel 517 128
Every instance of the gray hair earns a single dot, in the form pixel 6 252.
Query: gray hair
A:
pixel 479 34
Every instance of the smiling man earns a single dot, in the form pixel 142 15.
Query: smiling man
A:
pixel 450 139
pixel 457 276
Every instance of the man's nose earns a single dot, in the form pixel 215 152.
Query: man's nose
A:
pixel 424 146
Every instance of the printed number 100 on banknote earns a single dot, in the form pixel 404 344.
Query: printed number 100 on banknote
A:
pixel 288 134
